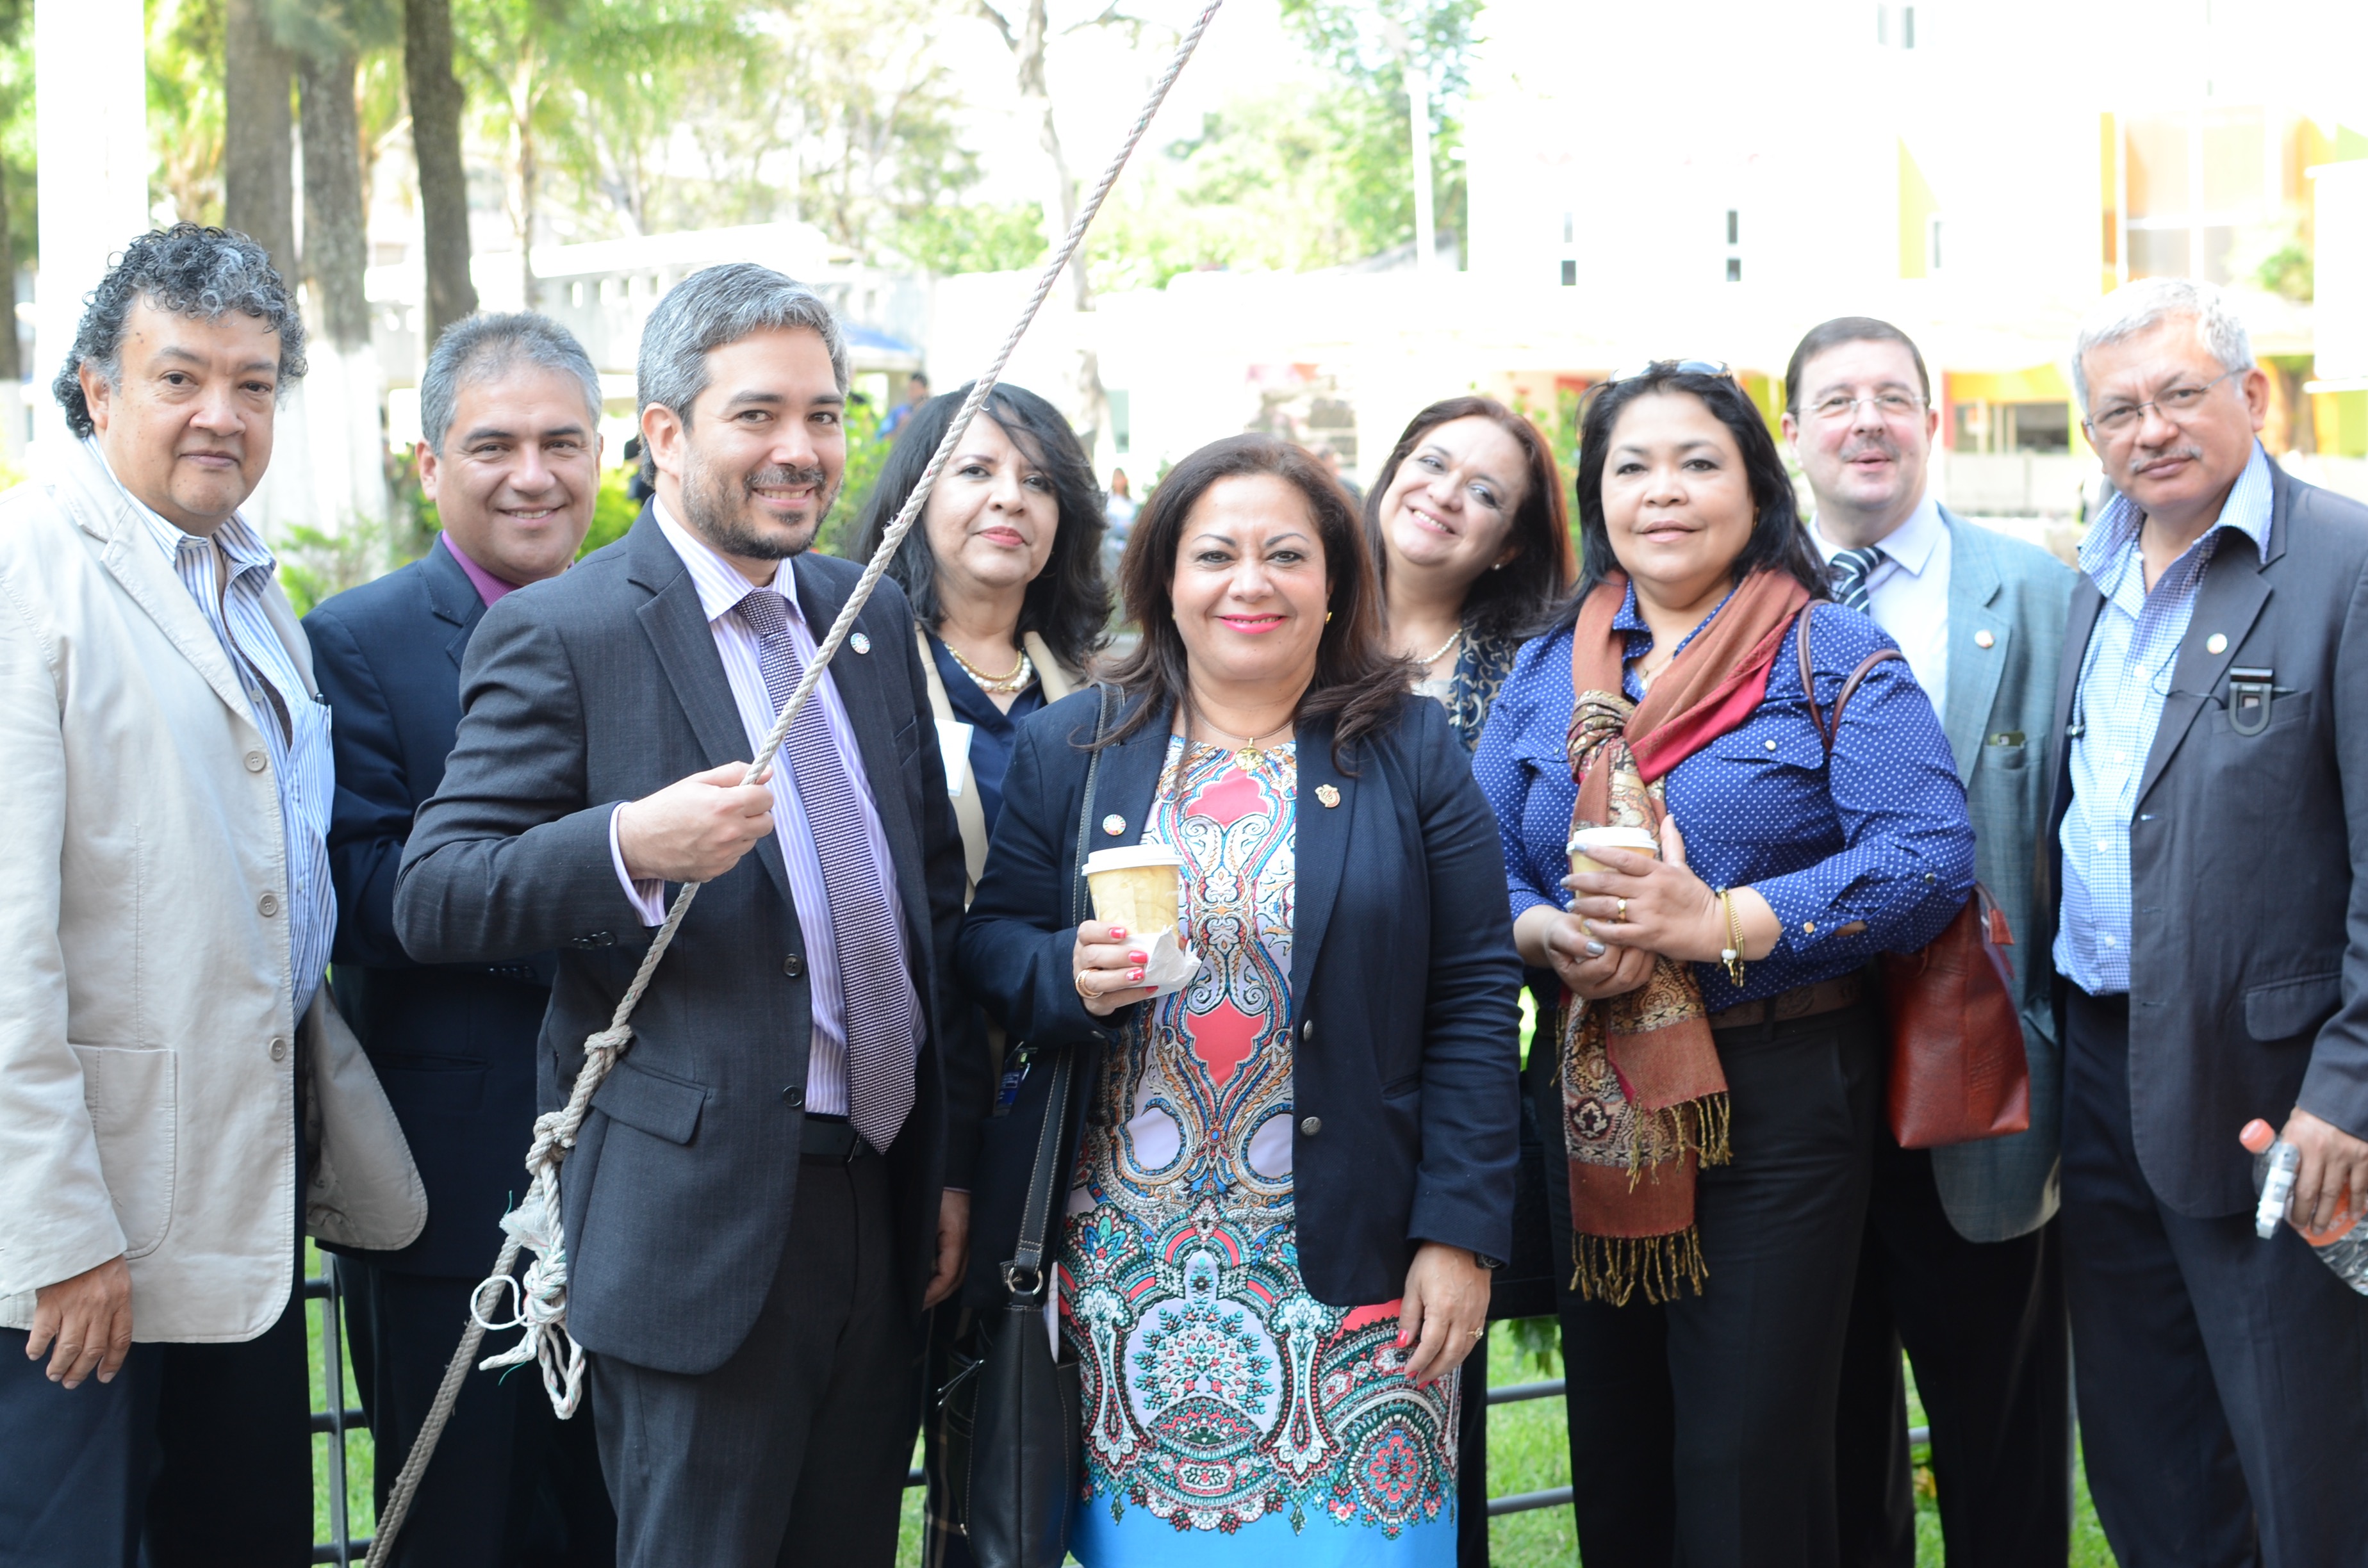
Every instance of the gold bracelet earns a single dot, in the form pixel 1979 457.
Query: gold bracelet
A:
pixel 1731 955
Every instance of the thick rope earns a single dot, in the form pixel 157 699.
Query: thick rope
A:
pixel 540 1300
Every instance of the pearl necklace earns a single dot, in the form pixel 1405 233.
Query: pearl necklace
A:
pixel 1440 652
pixel 1021 675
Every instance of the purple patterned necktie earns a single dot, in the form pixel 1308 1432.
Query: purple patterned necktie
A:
pixel 876 989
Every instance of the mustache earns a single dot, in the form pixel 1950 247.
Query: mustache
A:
pixel 1881 445
pixel 783 476
pixel 2156 454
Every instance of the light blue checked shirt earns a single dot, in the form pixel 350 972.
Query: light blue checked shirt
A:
pixel 295 725
pixel 2124 677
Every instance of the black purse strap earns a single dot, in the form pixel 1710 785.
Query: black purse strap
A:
pixel 1023 1276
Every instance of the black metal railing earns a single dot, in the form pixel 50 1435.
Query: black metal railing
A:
pixel 338 1419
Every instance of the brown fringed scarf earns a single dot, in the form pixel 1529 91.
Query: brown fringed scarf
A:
pixel 1643 1096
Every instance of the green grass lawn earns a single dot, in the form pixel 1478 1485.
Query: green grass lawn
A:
pixel 1527 1452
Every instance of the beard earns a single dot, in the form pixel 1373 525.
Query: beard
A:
pixel 719 506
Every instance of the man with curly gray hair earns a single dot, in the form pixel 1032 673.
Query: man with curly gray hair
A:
pixel 177 1095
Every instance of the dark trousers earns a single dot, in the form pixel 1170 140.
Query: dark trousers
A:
pixel 792 1452
pixel 2223 1379
pixel 1702 1431
pixel 1984 1323
pixel 202 1453
pixel 511 1484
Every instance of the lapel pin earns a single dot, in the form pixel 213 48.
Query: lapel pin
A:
pixel 2215 644
pixel 859 642
pixel 1113 825
pixel 1983 639
pixel 1329 795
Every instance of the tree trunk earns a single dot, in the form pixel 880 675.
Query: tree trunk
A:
pixel 333 224
pixel 12 364
pixel 529 176
pixel 436 105
pixel 1090 401
pixel 258 143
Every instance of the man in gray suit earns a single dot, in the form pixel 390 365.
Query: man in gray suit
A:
pixel 765 1194
pixel 1961 1262
pixel 2210 836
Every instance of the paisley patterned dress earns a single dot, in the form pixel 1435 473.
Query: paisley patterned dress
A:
pixel 1229 1417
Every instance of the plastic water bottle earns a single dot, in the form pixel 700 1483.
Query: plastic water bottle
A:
pixel 2343 1246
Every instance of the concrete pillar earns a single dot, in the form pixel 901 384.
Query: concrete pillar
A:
pixel 91 137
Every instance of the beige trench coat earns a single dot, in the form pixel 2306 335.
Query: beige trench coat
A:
pixel 148 1053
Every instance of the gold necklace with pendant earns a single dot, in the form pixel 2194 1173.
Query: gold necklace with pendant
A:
pixel 1248 756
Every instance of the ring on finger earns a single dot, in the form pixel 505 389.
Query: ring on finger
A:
pixel 1623 911
pixel 1081 986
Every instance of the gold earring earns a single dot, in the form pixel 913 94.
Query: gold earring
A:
pixel 1327 618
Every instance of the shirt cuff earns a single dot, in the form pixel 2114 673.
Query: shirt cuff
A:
pixel 648 898
pixel 1816 918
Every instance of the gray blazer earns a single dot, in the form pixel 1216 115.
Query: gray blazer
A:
pixel 2011 596
pixel 2248 941
pixel 601 686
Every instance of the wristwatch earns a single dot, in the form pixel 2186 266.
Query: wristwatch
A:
pixel 1485 1261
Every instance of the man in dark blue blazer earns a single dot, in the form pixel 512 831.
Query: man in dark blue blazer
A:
pixel 768 1188
pixel 509 414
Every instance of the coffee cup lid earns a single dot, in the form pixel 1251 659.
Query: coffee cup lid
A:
pixel 1132 858
pixel 1615 837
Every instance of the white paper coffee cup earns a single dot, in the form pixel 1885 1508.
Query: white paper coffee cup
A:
pixel 1136 888
pixel 1635 840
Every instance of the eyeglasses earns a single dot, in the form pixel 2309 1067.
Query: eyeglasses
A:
pixel 1896 407
pixel 2178 405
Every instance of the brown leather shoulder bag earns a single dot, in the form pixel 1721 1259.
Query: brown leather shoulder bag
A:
pixel 1958 1072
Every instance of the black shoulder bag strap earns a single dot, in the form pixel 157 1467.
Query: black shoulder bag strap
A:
pixel 1023 1275
pixel 1021 1468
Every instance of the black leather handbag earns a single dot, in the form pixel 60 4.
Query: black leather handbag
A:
pixel 1019 1402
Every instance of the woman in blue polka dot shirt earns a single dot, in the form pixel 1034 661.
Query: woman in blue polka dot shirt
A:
pixel 1709 1087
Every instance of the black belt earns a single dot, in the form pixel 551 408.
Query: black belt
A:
pixel 831 1138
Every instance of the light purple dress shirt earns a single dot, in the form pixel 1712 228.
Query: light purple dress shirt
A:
pixel 490 589
pixel 721 589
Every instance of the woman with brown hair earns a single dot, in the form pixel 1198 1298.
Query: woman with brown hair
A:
pixel 1710 1088
pixel 1470 537
pixel 1297 1169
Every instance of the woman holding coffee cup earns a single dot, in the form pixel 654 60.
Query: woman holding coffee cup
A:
pixel 1297 1168
pixel 1467 529
pixel 1712 1080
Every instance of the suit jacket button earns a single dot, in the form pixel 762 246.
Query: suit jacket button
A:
pixel 793 966
pixel 267 906
pixel 1312 1126
pixel 1307 1030
pixel 255 762
pixel 794 1097
pixel 279 1048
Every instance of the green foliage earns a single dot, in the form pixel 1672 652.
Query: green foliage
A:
pixel 2287 270
pixel 613 511
pixel 315 563
pixel 1366 45
pixel 972 237
pixel 867 454
pixel 185 108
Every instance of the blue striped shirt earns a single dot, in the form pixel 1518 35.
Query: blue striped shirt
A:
pixel 294 723
pixel 721 589
pixel 2125 676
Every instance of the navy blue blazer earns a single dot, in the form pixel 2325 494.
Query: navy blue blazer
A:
pixel 453 1044
pixel 1403 976
pixel 601 686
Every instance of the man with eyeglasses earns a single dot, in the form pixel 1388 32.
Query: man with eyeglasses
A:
pixel 1960 1261
pixel 2210 820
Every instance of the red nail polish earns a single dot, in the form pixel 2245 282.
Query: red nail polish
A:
pixel 1118 933
pixel 1138 958
pixel 1134 974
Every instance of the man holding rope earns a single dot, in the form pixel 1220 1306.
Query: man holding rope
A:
pixel 766 1195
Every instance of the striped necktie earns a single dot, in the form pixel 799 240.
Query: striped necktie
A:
pixel 876 989
pixel 1849 570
